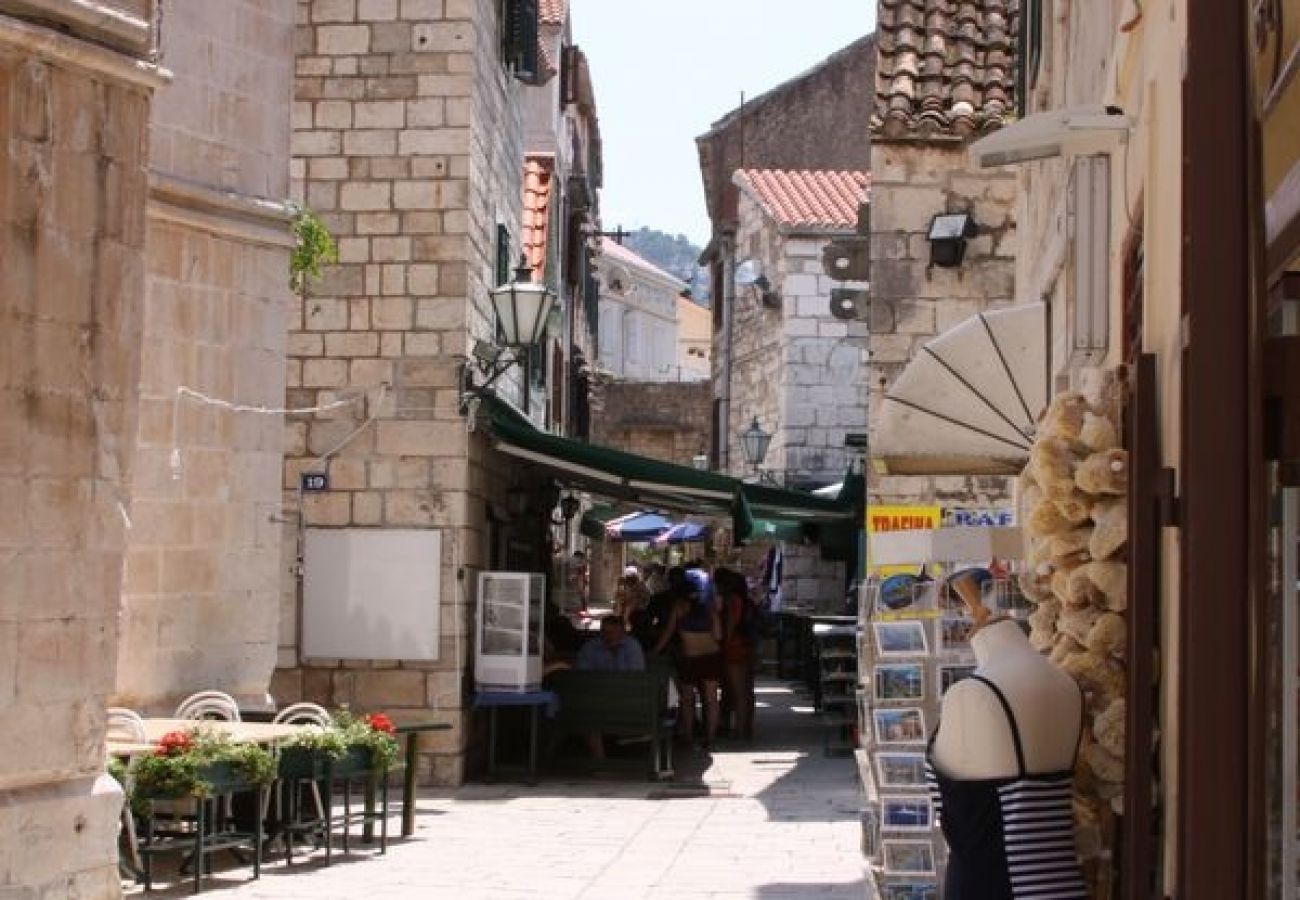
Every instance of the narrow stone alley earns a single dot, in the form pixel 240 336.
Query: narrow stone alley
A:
pixel 775 820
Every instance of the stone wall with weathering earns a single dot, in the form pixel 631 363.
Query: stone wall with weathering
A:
pixel 407 141
pixel 913 301
pixel 661 420
pixel 73 187
pixel 200 594
pixel 797 368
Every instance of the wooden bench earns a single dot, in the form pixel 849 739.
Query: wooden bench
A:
pixel 619 704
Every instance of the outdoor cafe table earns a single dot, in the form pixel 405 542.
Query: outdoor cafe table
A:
pixel 271 733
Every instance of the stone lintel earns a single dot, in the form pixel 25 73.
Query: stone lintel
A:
pixel 254 220
pixel 45 42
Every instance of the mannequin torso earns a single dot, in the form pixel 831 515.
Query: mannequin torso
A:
pixel 974 737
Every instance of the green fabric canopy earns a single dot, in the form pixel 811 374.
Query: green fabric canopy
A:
pixel 650 482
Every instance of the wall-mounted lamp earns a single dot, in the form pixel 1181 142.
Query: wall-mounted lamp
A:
pixel 947 236
pixel 700 462
pixel 522 308
pixel 749 276
pixel 753 443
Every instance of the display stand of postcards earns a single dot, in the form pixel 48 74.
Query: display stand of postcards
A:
pixel 915 644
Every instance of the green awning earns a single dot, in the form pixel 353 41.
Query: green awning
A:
pixel 650 482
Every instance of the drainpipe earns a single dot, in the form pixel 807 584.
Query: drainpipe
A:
pixel 726 254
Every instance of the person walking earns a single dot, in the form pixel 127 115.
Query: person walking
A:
pixel 739 647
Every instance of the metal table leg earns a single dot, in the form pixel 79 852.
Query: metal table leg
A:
pixel 532 743
pixel 408 784
pixel 492 741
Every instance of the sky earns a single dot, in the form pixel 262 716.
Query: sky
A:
pixel 664 71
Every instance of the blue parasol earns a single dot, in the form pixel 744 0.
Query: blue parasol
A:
pixel 682 533
pixel 637 526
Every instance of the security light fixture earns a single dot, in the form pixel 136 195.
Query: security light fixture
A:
pixel 749 276
pixel 947 236
pixel 753 443
pixel 522 307
pixel 700 461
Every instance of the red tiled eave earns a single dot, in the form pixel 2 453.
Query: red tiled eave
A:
pixel 803 198
pixel 538 169
pixel 552 12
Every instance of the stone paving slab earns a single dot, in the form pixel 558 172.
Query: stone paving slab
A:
pixel 782 825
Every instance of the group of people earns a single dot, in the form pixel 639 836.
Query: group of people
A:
pixel 707 625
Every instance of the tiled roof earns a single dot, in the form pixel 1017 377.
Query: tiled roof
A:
pixel 552 12
pixel 800 198
pixel 944 68
pixel 617 252
pixel 537 210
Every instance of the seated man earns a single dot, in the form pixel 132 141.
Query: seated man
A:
pixel 614 651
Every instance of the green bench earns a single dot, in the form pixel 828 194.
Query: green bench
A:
pixel 618 704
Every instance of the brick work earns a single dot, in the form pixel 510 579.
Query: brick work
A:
pixel 73 185
pixel 661 420
pixel 407 140
pixel 912 301
pixel 202 579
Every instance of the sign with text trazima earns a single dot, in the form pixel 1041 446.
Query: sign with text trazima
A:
pixel 881 519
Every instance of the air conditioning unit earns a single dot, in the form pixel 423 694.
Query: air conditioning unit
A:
pixel 1088 218
pixel 508 652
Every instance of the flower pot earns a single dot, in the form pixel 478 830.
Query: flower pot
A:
pixel 302 763
pixel 359 760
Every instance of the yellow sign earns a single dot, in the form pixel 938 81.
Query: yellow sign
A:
pixel 898 518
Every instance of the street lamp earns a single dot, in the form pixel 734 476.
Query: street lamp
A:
pixel 753 443
pixel 522 307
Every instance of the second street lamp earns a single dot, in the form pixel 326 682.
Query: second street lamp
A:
pixel 753 443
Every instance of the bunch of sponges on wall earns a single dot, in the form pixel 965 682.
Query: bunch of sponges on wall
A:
pixel 1074 499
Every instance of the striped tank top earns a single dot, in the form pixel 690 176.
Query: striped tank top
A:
pixel 1009 838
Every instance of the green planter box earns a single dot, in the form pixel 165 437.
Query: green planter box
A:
pixel 356 762
pixel 220 778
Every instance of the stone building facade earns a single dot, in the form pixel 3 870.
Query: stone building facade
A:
pixel 202 579
pixel 920 168
pixel 814 121
pixel 667 420
pixel 409 141
pixel 75 98
pixel 638 337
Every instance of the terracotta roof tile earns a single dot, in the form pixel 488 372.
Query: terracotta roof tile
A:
pixel 537 210
pixel 552 12
pixel 800 198
pixel 945 68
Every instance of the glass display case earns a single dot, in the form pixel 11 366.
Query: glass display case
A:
pixel 508 652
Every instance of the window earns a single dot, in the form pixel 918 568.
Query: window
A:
pixel 519 40
pixel 1030 52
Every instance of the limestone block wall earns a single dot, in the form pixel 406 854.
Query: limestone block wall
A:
pixel 200 595
pixel 72 231
pixel 662 420
pixel 407 138
pixel 798 368
pixel 912 301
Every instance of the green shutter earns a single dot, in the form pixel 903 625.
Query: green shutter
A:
pixel 519 40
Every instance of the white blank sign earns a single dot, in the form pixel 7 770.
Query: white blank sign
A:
pixel 371 593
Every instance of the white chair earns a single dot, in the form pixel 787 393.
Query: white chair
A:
pixel 125 725
pixel 209 705
pixel 304 714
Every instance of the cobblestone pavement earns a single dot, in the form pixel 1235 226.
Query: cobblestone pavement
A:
pixel 780 821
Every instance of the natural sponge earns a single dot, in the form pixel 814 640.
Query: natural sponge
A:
pixel 1108 636
pixel 1098 433
pixel 1111 581
pixel 1065 416
pixel 1110 531
pixel 1108 727
pixel 1053 465
pixel 1103 473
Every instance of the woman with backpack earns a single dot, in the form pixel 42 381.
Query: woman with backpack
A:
pixel 739 647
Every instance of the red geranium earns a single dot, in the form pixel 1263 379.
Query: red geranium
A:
pixel 174 743
pixel 381 722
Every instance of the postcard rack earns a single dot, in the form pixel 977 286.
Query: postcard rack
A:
pixel 914 644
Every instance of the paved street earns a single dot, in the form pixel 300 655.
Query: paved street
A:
pixel 780 821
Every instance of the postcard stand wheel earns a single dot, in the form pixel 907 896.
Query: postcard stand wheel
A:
pixel 915 644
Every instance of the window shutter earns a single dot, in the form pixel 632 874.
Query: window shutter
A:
pixel 519 40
